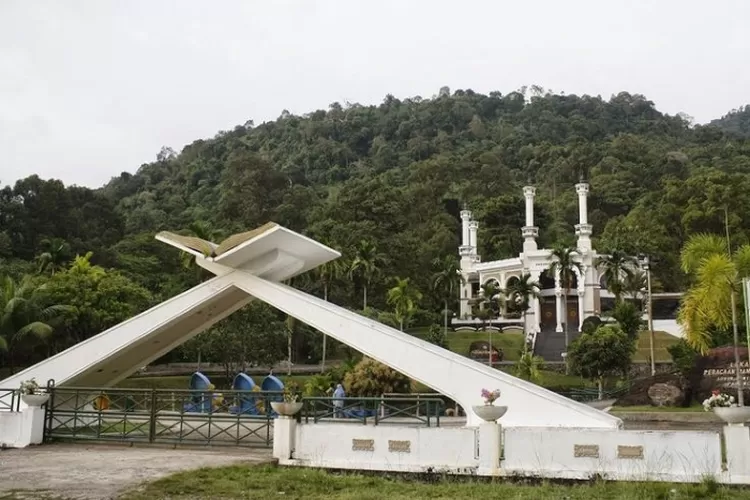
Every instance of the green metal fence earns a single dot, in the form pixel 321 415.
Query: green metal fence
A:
pixel 10 399
pixel 237 418
pixel 376 411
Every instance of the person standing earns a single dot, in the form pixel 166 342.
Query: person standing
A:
pixel 338 401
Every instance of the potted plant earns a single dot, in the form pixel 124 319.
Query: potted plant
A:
pixel 291 405
pixel 488 411
pixel 725 408
pixel 32 394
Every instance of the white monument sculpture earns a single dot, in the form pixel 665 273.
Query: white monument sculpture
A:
pixel 253 265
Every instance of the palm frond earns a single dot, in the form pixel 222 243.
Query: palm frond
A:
pixel 37 329
pixel 698 248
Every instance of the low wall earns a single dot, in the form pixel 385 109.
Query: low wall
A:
pixel 680 456
pixel 19 429
pixel 554 453
pixel 386 447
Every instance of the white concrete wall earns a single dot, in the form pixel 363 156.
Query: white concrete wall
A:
pixel 680 456
pixel 331 445
pixel 19 429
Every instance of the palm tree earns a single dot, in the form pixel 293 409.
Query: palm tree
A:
pixel 366 266
pixel 445 282
pixel 520 292
pixel 618 267
pixel 326 275
pixel 492 297
pixel 717 276
pixel 55 254
pixel 404 298
pixel 22 314
pixel 564 264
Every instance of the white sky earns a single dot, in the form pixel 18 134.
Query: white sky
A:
pixel 91 88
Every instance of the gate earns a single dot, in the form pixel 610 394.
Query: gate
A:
pixel 188 417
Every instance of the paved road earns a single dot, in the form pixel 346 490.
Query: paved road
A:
pixel 99 472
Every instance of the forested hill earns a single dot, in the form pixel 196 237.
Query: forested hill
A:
pixel 396 174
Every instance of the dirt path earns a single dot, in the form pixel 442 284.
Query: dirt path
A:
pixel 99 472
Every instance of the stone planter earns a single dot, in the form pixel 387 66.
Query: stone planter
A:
pixel 734 415
pixel 34 399
pixel 489 413
pixel 286 409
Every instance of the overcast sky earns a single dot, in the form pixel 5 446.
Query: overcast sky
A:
pixel 91 88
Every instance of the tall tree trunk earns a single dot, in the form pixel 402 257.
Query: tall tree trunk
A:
pixel 600 383
pixel 364 297
pixel 289 352
pixel 445 317
pixel 325 337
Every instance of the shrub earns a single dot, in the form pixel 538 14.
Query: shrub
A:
pixel 436 335
pixel 372 379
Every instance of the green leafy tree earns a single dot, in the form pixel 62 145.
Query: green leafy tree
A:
pixel 404 298
pixel 629 318
pixel 605 352
pixel 565 263
pixel 98 299
pixel 369 378
pixel 437 336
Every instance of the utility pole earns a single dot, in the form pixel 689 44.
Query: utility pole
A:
pixel 647 265
pixel 735 332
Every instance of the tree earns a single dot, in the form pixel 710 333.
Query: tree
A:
pixel 54 257
pixel 437 336
pixel 565 265
pixel 23 314
pixel 326 275
pixel 252 336
pixel 529 367
pixel 521 291
pixel 446 281
pixel 404 298
pixel 366 266
pixel 606 352
pixel 98 299
pixel 371 379
pixel 618 267
pixel 716 276
pixel 629 318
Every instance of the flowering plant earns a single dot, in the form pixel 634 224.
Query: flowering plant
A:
pixel 490 396
pixel 291 393
pixel 30 387
pixel 718 399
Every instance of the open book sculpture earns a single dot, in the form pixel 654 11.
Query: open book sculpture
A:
pixel 252 265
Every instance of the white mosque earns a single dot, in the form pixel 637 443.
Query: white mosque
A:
pixel 552 310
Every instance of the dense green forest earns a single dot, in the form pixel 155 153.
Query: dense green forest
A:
pixel 388 179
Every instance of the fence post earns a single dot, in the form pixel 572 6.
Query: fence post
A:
pixel 152 418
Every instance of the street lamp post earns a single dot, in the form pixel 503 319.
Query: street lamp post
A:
pixel 646 264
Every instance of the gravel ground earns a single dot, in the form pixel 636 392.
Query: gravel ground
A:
pixel 99 472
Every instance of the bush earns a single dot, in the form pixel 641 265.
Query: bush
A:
pixel 372 379
pixel 436 335
pixel 629 318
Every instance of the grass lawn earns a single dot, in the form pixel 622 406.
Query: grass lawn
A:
pixel 510 342
pixel 309 484
pixel 662 340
